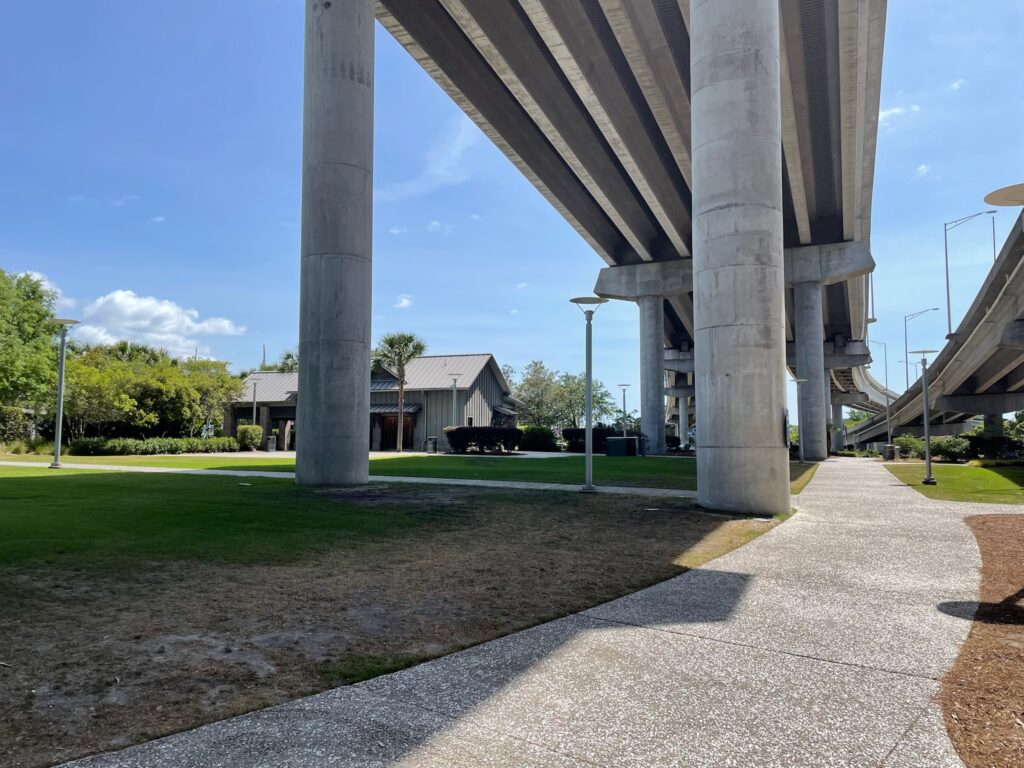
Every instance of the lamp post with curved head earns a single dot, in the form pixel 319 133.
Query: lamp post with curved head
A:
pixel 624 387
pixel 949 225
pixel 65 325
pixel 928 479
pixel 588 305
pixel 906 353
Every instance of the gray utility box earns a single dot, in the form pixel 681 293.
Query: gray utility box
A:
pixel 622 446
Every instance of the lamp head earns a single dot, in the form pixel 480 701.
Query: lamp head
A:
pixel 583 301
pixel 1012 195
pixel 65 321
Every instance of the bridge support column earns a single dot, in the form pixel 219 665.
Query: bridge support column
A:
pixel 738 272
pixel 993 425
pixel 838 430
pixel 652 372
pixel 810 365
pixel 333 424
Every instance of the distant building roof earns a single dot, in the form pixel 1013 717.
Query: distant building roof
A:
pixel 426 372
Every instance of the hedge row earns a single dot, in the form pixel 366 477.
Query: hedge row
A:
pixel 249 437
pixel 482 439
pixel 959 448
pixel 13 424
pixel 538 439
pixel 126 446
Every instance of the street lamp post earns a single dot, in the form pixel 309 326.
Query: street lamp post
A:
pixel 945 235
pixel 65 325
pixel 906 353
pixel 800 423
pixel 582 302
pixel 888 420
pixel 624 388
pixel 928 479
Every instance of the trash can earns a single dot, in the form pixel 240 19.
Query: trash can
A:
pixel 889 452
pixel 431 445
pixel 272 444
pixel 896 451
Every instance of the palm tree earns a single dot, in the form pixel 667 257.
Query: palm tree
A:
pixel 394 352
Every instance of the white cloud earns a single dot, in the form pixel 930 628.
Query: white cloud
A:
pixel 124 314
pixel 397 231
pixel 445 165
pixel 439 227
pixel 62 302
pixel 158 219
pixel 404 301
pixel 956 85
pixel 922 170
pixel 522 285
pixel 475 216
pixel 76 199
pixel 514 312
pixel 124 200
pixel 885 116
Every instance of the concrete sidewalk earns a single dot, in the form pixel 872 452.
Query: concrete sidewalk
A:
pixel 515 485
pixel 819 644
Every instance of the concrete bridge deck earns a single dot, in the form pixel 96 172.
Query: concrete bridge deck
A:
pixel 819 644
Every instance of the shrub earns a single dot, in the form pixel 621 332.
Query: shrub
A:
pixel 538 439
pixel 482 439
pixel 13 424
pixel 910 447
pixel 951 448
pixel 984 446
pixel 127 446
pixel 249 437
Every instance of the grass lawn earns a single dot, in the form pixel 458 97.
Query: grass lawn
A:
pixel 652 471
pixel 991 485
pixel 135 605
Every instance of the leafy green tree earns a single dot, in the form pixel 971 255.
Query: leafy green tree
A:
pixel 287 363
pixel 96 395
pixel 394 352
pixel 537 391
pixel 856 417
pixel 28 358
pixel 167 404
pixel 570 397
pixel 215 386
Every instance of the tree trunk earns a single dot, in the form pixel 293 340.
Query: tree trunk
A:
pixel 401 412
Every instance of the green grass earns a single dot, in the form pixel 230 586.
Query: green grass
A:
pixel 800 475
pixel 81 516
pixel 989 485
pixel 358 667
pixel 678 473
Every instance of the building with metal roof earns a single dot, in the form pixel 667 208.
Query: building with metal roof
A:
pixel 440 391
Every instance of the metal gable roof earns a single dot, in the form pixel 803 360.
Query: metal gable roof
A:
pixel 426 372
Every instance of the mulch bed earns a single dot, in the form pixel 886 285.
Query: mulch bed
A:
pixel 983 695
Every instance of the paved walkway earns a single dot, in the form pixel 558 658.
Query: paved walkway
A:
pixel 618 490
pixel 819 644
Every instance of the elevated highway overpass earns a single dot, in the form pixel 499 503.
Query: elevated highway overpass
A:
pixel 980 371
pixel 717 156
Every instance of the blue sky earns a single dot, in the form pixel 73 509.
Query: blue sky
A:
pixel 150 159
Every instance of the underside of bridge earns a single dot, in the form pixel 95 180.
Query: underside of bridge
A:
pixel 727 145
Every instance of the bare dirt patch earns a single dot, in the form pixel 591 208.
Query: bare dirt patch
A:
pixel 103 657
pixel 983 695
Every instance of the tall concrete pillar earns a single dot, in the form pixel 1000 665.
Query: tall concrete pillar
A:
pixel 838 430
pixel 652 371
pixel 992 425
pixel 739 306
pixel 333 420
pixel 810 365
